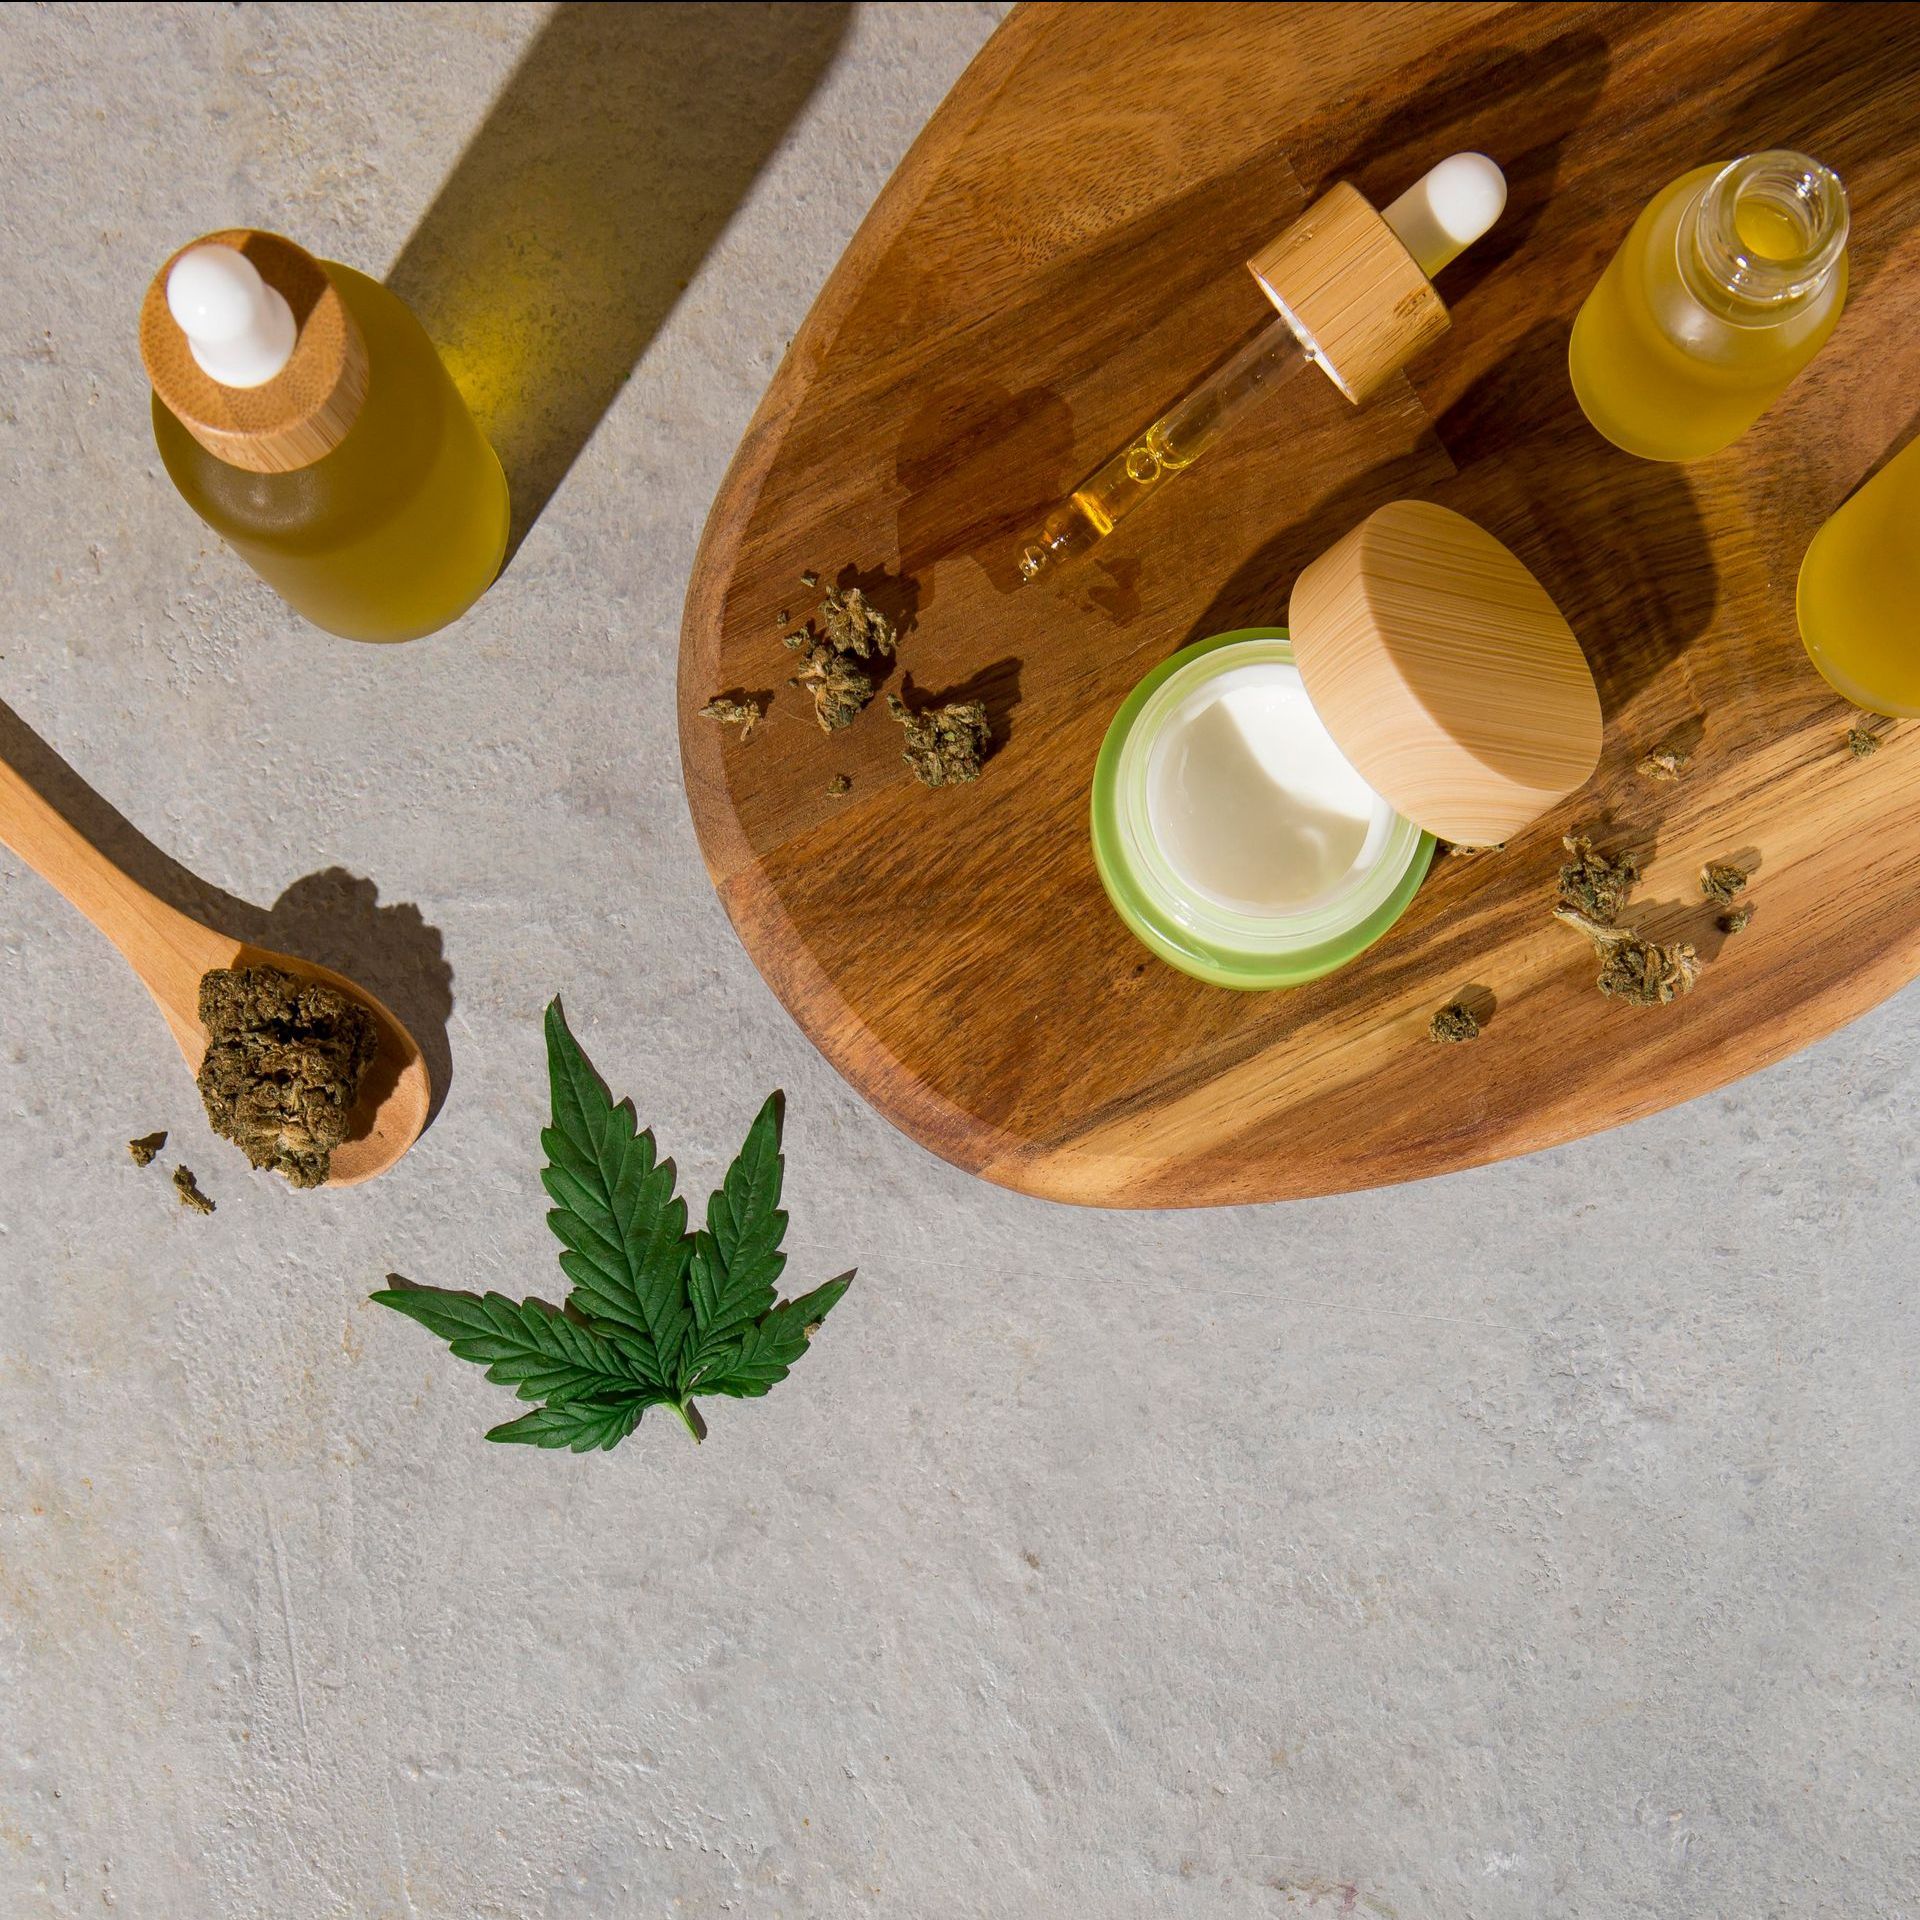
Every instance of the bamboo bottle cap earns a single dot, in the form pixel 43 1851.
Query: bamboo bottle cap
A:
pixel 303 411
pixel 1445 673
pixel 1352 291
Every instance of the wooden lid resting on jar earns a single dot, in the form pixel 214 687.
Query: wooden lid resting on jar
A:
pixel 1445 673
pixel 1351 290
pixel 303 411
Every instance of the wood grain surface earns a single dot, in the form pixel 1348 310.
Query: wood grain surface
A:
pixel 1058 256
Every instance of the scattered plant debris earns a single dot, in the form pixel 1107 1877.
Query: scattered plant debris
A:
pixel 1720 881
pixel 1639 971
pixel 839 787
pixel 1668 762
pixel 1457 851
pixel 1735 921
pixel 1594 885
pixel 745 714
pixel 1451 1025
pixel 945 745
pixel 188 1188
pixel 144 1149
pixel 1861 743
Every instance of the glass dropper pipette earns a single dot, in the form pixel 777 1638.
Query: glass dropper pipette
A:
pixel 1436 219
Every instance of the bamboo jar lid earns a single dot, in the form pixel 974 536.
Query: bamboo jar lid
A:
pixel 1351 290
pixel 1445 673
pixel 306 409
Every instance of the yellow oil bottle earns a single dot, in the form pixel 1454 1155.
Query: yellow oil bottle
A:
pixel 304 415
pixel 1859 595
pixel 1728 284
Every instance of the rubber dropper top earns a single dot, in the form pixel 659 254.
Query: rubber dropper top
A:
pixel 240 330
pixel 1447 209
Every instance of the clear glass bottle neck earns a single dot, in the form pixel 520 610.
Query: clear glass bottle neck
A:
pixel 1765 234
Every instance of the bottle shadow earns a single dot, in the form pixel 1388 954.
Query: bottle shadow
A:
pixel 331 916
pixel 1519 106
pixel 610 163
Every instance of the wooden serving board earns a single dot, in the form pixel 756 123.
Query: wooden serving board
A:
pixel 1058 256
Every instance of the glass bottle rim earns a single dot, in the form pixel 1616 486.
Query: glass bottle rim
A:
pixel 1792 185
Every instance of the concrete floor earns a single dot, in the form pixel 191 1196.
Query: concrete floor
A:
pixel 1538 1541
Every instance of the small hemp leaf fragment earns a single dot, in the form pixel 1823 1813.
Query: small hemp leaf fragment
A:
pixel 143 1150
pixel 1451 1025
pixel 839 787
pixel 945 745
pixel 1720 881
pixel 283 1066
pixel 1594 885
pixel 1735 921
pixel 188 1188
pixel 1663 763
pixel 746 714
pixel 656 1316
pixel 1639 971
pixel 810 579
pixel 1861 743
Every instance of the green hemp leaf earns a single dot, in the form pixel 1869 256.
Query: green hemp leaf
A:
pixel 656 1315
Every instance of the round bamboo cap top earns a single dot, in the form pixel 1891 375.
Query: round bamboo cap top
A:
pixel 292 416
pixel 1445 673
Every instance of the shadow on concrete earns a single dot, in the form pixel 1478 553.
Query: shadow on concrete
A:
pixel 602 175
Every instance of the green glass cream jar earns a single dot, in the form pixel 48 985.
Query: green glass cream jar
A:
pixel 1266 802
pixel 1232 835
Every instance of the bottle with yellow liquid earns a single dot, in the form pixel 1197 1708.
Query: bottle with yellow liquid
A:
pixel 305 416
pixel 1859 597
pixel 1728 284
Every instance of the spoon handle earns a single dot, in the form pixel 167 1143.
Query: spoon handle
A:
pixel 162 946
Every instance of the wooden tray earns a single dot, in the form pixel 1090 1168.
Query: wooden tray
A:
pixel 1058 256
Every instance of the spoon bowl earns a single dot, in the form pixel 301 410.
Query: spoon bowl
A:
pixel 171 952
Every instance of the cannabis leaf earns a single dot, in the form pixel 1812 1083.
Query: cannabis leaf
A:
pixel 656 1315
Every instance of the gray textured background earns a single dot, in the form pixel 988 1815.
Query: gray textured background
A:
pixel 1538 1541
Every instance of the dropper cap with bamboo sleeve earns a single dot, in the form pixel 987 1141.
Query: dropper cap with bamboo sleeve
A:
pixel 250 347
pixel 1356 285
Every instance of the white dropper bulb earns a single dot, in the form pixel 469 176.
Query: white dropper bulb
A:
pixel 238 328
pixel 1448 209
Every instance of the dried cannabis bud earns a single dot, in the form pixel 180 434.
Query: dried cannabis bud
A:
pixel 854 625
pixel 1451 1025
pixel 1592 884
pixel 840 686
pixel 188 1188
pixel 1639 971
pixel 744 714
pixel 1860 743
pixel 945 745
pixel 1736 921
pixel 1720 881
pixel 146 1147
pixel 1663 763
pixel 839 787
pixel 283 1066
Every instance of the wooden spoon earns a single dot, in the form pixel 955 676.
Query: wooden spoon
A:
pixel 170 953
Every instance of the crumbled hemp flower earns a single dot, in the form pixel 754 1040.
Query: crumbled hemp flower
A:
pixel 840 686
pixel 1861 743
pixel 1720 881
pixel 1593 885
pixel 146 1147
pixel 1641 972
pixel 839 787
pixel 854 625
pixel 1663 763
pixel 1736 921
pixel 945 745
pixel 188 1188
pixel 1451 1025
pixel 744 714
pixel 283 1066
